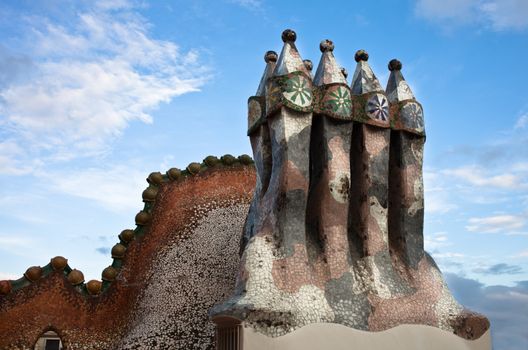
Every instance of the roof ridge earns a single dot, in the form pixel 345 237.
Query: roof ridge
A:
pixel 126 237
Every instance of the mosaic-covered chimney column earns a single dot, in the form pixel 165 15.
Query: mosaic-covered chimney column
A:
pixel 406 204
pixel 330 166
pixel 259 137
pixel 289 111
pixel 275 281
pixel 370 179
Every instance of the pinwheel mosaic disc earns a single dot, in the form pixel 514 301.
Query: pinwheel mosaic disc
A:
pixel 412 117
pixel 338 101
pixel 377 108
pixel 298 91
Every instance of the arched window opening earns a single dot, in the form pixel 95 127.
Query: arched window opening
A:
pixel 50 340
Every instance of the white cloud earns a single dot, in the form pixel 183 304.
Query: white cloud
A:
pixel 168 161
pixel 91 80
pixel 520 167
pixel 496 224
pixel 8 276
pixel 11 154
pixel 15 207
pixel 506 14
pixel 478 177
pixel 523 254
pixel 499 269
pixel 517 233
pixel 13 241
pixel 522 122
pixel 448 255
pixel 437 199
pixel 497 14
pixel 435 240
pixel 13 66
pixel 506 308
pixel 438 202
pixel 249 4
pixel 459 10
pixel 117 188
pixel 114 4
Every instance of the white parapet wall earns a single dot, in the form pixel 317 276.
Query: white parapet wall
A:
pixel 329 336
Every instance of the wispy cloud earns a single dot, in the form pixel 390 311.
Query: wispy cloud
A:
pixel 447 10
pixel 497 224
pixel 437 199
pixel 8 276
pixel 103 250
pixel 12 160
pixel 115 4
pixel 14 66
pixel 478 177
pixel 436 240
pixel 499 269
pixel 522 122
pixel 90 80
pixel 506 14
pixel 249 4
pixel 117 187
pixel 506 307
pixel 448 255
pixel 13 241
pixel 523 254
pixel 497 15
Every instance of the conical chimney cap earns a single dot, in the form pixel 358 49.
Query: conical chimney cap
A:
pixel 328 71
pixel 364 80
pixel 397 88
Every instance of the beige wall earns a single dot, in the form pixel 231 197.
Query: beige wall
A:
pixel 326 336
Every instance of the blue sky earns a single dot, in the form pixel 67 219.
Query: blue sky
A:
pixel 96 95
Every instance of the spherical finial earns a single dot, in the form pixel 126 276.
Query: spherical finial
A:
pixel 142 218
pixel 118 251
pixel 75 277
pixel 94 287
pixel 149 195
pixel 345 72
pixel 155 178
pixel 194 168
pixel 289 36
pixel 326 45
pixel 127 235
pixel 361 55
pixel 33 273
pixel 394 64
pixel 5 287
pixel 174 173
pixel 308 65
pixel 270 56
pixel 211 161
pixel 59 262
pixel 109 274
